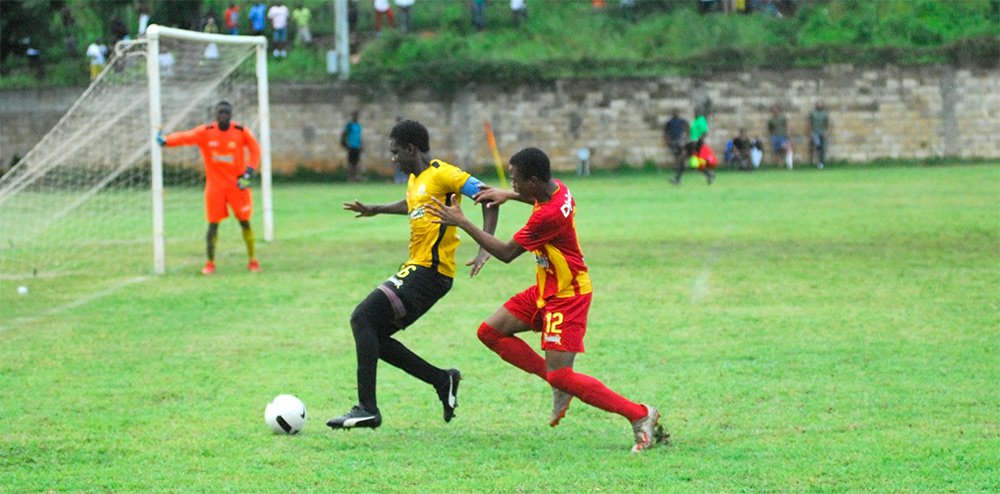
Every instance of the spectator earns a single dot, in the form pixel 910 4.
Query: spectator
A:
pixel 583 168
pixel 675 135
pixel 34 59
pixel 479 14
pixel 211 27
pixel 383 9
pixel 756 152
pixel 97 53
pixel 628 10
pixel 706 6
pixel 741 151
pixel 405 21
pixel 819 128
pixel 302 16
pixel 257 15
pixel 69 28
pixel 232 19
pixel 278 14
pixel 350 139
pixel 143 20
pixel 118 30
pixel 777 127
pixel 518 12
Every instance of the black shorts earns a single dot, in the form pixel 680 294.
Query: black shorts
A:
pixel 413 291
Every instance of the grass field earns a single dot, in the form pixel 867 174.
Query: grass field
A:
pixel 832 331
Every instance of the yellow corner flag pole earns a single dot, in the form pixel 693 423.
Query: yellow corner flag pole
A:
pixel 496 154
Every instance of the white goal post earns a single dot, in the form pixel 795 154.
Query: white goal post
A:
pixel 97 191
pixel 153 34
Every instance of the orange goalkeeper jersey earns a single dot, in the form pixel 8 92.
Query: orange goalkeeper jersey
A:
pixel 224 151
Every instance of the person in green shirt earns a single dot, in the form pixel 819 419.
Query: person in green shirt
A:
pixel 302 15
pixel 819 127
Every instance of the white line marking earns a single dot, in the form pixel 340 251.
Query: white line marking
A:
pixel 76 303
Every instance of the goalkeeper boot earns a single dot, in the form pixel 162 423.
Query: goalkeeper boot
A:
pixel 648 431
pixel 253 266
pixel 448 394
pixel 357 417
pixel 560 403
pixel 209 268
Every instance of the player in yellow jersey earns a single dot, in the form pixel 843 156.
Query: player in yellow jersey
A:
pixel 422 280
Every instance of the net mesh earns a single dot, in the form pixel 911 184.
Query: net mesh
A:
pixel 80 204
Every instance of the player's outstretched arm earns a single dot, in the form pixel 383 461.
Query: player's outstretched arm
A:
pixel 453 216
pixel 373 209
pixel 492 197
pixel 490 220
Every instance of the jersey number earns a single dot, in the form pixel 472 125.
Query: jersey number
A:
pixel 403 273
pixel 552 322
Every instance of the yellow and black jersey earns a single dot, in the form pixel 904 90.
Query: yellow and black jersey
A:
pixel 432 245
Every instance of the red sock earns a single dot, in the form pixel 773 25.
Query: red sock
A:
pixel 513 350
pixel 595 393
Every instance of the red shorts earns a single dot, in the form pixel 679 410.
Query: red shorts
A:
pixel 562 321
pixel 216 199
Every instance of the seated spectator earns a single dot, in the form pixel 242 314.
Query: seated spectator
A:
pixel 756 152
pixel 741 151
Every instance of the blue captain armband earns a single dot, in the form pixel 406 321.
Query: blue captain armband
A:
pixel 471 187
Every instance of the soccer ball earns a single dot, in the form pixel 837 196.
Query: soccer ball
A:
pixel 285 414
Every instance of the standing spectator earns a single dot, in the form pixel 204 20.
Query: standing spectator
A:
pixel 257 15
pixel 119 31
pixel 278 14
pixel 69 28
pixel 777 127
pixel 556 305
pixel 383 9
pixel 518 12
pixel 232 19
pixel 143 20
pixel 697 154
pixel 479 14
pixel 350 139
pixel 97 53
pixel 211 27
pixel 675 135
pixel 302 16
pixel 628 10
pixel 405 19
pixel 819 128
pixel 34 56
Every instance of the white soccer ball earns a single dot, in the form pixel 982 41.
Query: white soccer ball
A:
pixel 285 414
pixel 22 290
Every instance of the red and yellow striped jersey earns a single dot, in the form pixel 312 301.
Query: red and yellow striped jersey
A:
pixel 224 151
pixel 550 234
pixel 433 245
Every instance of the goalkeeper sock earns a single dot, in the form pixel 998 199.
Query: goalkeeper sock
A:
pixel 595 393
pixel 211 238
pixel 512 349
pixel 248 239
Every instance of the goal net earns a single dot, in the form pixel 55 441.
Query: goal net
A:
pixel 97 197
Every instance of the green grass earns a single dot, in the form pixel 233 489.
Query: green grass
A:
pixel 831 331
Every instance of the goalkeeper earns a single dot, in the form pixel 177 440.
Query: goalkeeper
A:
pixel 224 145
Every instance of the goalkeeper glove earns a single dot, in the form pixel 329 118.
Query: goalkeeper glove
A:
pixel 244 181
pixel 160 138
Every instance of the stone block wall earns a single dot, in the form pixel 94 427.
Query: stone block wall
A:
pixel 895 112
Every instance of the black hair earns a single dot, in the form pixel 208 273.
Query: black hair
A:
pixel 532 162
pixel 411 132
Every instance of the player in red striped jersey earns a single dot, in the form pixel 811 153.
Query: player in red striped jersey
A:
pixel 557 305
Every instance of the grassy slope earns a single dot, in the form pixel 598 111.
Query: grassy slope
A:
pixel 804 331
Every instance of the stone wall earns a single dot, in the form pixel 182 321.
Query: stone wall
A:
pixel 919 112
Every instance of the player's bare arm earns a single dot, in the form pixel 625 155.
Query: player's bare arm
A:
pixel 453 216
pixel 490 217
pixel 373 209
pixel 492 197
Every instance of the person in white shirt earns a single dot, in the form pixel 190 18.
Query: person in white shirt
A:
pixel 97 53
pixel 382 9
pixel 278 14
